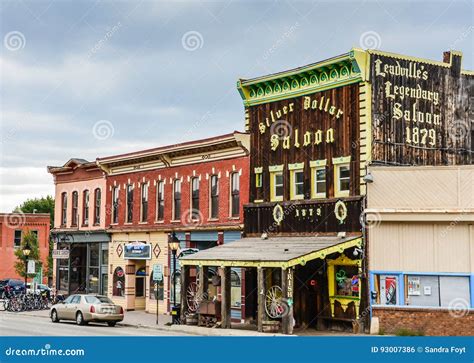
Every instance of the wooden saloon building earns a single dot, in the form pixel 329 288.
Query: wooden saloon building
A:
pixel 302 255
pixel 360 204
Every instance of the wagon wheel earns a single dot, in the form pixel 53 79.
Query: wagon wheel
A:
pixel 274 304
pixel 193 297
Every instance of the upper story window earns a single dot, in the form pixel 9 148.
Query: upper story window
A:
pixel 276 183
pixel 85 207
pixel 115 204
pixel 195 198
pixel 258 177
pixel 318 178
pixel 144 207
pixel 97 199
pixel 17 238
pixel 235 194
pixel 296 181
pixel 75 212
pixel 214 192
pixel 160 201
pixel 177 200
pixel 129 203
pixel 342 176
pixel 63 209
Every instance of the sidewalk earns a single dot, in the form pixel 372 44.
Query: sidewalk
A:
pixel 142 319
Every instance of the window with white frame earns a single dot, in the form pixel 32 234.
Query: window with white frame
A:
pixel 342 176
pixel 235 194
pixel 177 199
pixel 214 192
pixel 115 204
pixel 144 202
pixel 276 183
pixel 129 203
pixel 63 209
pixel 318 179
pixel 85 207
pixel 97 198
pixel 75 206
pixel 160 201
pixel 195 198
pixel 296 181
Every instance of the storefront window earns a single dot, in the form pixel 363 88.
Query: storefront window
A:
pixel 235 289
pixel 347 280
pixel 94 268
pixel 118 288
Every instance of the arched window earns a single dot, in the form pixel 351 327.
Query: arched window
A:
pixel 63 209
pixel 97 206
pixel 154 286
pixel 75 212
pixel 118 288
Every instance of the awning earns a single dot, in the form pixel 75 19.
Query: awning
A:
pixel 281 252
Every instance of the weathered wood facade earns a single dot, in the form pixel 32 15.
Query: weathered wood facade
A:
pixel 319 126
pixel 421 110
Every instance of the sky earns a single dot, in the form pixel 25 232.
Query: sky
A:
pixel 88 79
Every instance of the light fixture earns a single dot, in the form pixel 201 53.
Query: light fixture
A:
pixel 368 178
pixel 173 243
pixel 26 250
pixel 357 251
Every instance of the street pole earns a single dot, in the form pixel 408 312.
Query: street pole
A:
pixel 174 278
pixel 156 297
pixel 26 272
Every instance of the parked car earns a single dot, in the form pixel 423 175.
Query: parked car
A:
pixel 8 286
pixel 40 288
pixel 83 309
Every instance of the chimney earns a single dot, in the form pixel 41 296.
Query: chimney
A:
pixel 454 58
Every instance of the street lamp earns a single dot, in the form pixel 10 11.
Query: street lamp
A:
pixel 173 245
pixel 26 252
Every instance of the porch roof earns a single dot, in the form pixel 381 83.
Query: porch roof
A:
pixel 272 252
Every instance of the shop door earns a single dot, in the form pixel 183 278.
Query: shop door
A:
pixel 140 282
pixel 78 268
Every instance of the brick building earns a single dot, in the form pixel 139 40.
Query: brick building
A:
pixel 79 228
pixel 13 227
pixel 195 190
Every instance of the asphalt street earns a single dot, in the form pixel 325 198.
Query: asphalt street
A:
pixel 12 324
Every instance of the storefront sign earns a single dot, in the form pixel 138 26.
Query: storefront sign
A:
pixel 60 254
pixel 419 110
pixel 137 251
pixel 158 272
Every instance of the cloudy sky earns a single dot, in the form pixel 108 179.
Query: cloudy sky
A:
pixel 95 78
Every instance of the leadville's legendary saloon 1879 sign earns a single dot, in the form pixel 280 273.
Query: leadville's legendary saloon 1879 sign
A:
pixel 420 112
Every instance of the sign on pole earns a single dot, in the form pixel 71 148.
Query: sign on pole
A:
pixel 31 267
pixel 157 272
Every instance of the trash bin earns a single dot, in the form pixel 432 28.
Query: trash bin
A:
pixel 176 314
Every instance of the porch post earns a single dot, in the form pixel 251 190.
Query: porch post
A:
pixel 225 294
pixel 287 288
pixel 261 297
pixel 203 281
pixel 184 288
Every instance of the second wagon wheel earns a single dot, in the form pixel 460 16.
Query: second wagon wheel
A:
pixel 193 297
pixel 274 304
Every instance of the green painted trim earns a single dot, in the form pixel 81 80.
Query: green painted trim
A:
pixel 303 92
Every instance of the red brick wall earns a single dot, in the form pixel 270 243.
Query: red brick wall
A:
pixel 222 167
pixel 428 321
pixel 11 222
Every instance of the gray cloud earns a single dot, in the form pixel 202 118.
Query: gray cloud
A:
pixel 124 62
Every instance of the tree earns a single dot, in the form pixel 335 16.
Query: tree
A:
pixel 41 205
pixel 32 241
